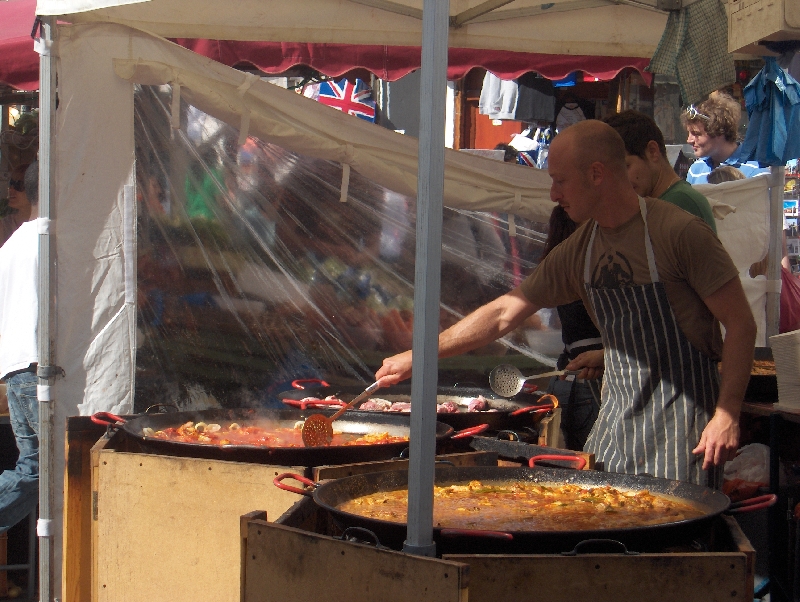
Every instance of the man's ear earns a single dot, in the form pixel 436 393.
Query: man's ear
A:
pixel 596 172
pixel 652 152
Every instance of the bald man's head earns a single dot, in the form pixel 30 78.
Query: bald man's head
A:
pixel 592 141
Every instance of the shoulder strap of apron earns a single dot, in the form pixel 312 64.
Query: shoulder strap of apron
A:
pixel 648 248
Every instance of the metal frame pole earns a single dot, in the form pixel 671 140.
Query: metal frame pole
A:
pixel 427 277
pixel 776 183
pixel 47 109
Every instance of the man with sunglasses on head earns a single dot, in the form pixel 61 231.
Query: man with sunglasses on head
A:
pixel 19 208
pixel 648 168
pixel 713 127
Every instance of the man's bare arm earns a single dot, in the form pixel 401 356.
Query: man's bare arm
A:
pixel 720 438
pixel 486 324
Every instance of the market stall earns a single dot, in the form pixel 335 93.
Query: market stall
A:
pixel 93 186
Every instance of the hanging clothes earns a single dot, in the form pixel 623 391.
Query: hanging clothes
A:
pixel 570 114
pixel 498 97
pixel 536 100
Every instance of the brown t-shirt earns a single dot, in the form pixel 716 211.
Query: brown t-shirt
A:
pixel 691 263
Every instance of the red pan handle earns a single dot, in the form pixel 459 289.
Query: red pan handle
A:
pixel 317 403
pixel 753 504
pixel 298 384
pixel 476 533
pixel 532 409
pixel 579 461
pixel 106 418
pixel 469 432
pixel 278 482
pixel 537 409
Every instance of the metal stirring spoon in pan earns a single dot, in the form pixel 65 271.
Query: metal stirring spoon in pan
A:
pixel 318 429
pixel 507 380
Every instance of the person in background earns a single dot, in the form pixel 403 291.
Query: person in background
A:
pixel 713 128
pixel 579 399
pixel 509 152
pixel 19 317
pixel 657 283
pixel 648 168
pixel 725 173
pixel 19 208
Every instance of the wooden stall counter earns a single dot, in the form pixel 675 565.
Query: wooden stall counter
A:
pixel 297 559
pixel 141 526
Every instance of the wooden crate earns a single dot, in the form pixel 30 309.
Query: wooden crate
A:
pixel 323 567
pixel 312 567
pixel 751 21
pixel 722 575
pixel 167 528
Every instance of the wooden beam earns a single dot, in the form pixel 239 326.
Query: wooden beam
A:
pixel 477 11
pixel 532 11
pixel 392 7
pixel 557 7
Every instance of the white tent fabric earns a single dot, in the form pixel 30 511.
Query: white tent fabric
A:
pixel 604 29
pixel 745 235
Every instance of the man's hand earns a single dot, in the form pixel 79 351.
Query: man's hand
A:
pixel 720 438
pixel 590 363
pixel 394 369
pixel 719 441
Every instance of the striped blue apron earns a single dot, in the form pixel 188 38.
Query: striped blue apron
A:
pixel 659 391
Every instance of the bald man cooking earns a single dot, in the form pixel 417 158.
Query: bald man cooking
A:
pixel 657 282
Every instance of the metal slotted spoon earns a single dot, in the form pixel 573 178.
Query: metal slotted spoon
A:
pixel 507 380
pixel 318 429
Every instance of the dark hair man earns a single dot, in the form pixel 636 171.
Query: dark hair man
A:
pixel 648 169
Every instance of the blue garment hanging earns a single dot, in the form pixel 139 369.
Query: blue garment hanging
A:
pixel 773 105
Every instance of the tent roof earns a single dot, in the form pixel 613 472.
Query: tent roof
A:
pixel 629 29
pixel 19 63
pixel 393 62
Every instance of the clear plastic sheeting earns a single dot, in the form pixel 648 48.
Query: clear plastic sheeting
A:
pixel 252 272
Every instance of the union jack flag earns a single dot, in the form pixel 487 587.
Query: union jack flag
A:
pixel 352 99
pixel 526 158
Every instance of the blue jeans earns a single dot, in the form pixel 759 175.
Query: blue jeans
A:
pixel 580 404
pixel 19 488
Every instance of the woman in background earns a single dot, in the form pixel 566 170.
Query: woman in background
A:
pixel 579 399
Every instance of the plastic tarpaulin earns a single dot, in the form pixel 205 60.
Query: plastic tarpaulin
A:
pixel 252 273
pixel 95 183
pixel 304 126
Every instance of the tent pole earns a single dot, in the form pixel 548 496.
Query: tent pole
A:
pixel 777 181
pixel 47 109
pixel 427 277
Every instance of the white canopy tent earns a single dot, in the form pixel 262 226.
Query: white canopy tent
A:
pixel 88 174
pixel 630 28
